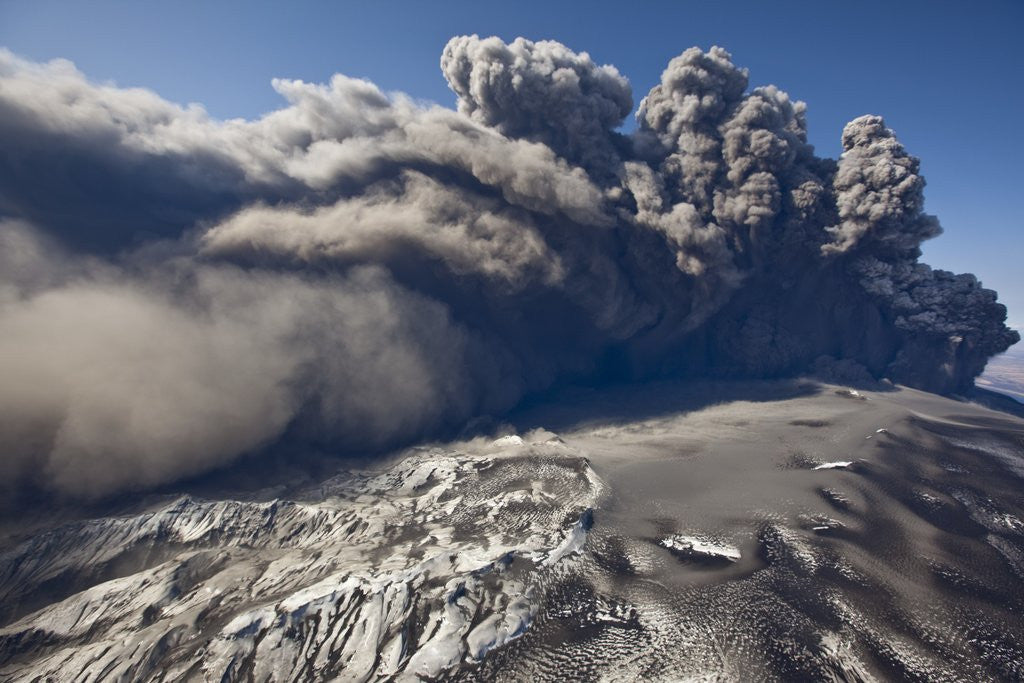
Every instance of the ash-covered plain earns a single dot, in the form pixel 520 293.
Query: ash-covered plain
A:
pixel 785 530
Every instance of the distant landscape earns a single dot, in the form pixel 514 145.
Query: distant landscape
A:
pixel 1005 373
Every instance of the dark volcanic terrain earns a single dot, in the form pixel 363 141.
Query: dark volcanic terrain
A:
pixel 735 531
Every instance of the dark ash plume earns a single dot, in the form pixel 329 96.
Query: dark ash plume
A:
pixel 542 92
pixel 358 271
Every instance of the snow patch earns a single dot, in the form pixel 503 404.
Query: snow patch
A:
pixel 701 547
pixel 837 465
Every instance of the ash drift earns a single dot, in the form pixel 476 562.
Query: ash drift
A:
pixel 361 270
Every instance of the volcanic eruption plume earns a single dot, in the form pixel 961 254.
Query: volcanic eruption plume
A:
pixel 359 270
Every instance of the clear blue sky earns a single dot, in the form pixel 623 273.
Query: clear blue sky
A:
pixel 947 75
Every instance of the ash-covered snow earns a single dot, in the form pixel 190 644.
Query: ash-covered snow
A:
pixel 695 546
pixel 667 543
pixel 399 573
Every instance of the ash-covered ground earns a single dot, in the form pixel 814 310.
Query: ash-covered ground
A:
pixel 785 530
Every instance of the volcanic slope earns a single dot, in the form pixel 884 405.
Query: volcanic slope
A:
pixel 738 531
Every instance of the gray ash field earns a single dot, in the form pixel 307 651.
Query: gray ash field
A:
pixel 802 532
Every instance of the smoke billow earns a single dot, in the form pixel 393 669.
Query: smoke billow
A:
pixel 356 270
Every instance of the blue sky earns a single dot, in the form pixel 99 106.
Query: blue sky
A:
pixel 946 75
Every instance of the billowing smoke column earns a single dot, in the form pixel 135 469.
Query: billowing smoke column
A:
pixel 357 271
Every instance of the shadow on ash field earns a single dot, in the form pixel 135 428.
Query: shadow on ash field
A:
pixel 906 563
pixel 732 531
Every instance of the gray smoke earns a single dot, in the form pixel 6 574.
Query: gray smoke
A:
pixel 542 92
pixel 878 193
pixel 356 271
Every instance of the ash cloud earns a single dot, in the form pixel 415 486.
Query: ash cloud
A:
pixel 542 92
pixel 356 270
